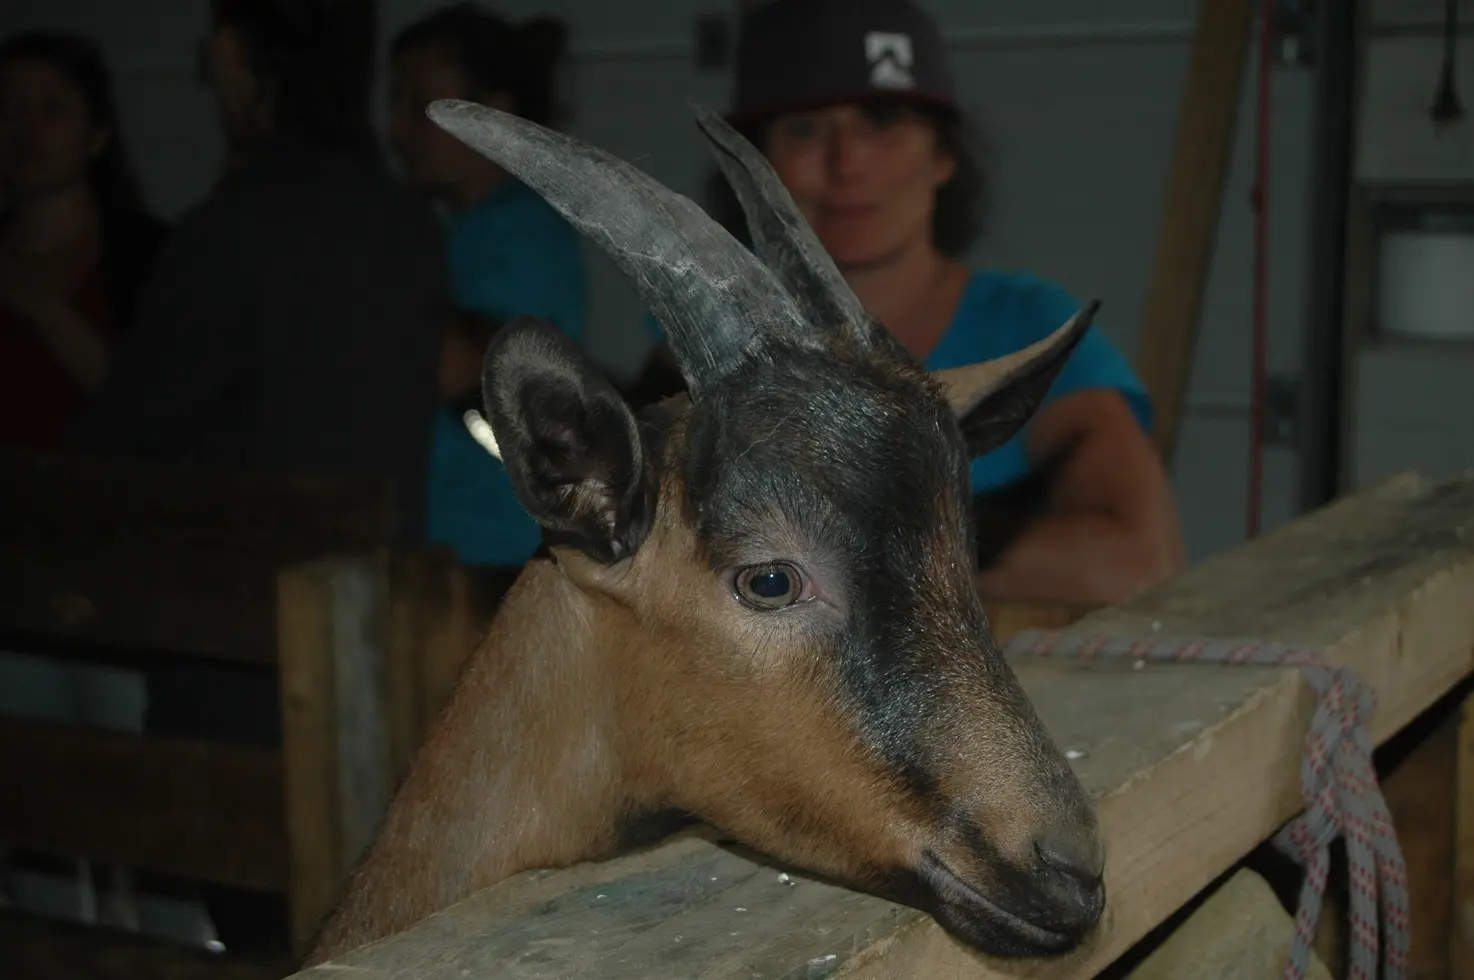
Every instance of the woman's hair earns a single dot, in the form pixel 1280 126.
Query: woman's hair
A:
pixel 78 59
pixel 315 59
pixel 962 203
pixel 496 55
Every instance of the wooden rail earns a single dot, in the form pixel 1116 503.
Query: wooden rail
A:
pixel 143 565
pixel 1193 767
pixel 164 559
pixel 210 812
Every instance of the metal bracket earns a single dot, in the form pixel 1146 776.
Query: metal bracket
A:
pixel 1294 30
pixel 1280 423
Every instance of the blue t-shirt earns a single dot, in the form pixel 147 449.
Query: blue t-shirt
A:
pixel 1003 312
pixel 510 254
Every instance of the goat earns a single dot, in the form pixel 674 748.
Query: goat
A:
pixel 756 602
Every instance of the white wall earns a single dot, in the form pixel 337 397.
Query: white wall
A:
pixel 1081 99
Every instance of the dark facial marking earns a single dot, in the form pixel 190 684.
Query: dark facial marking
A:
pixel 781 442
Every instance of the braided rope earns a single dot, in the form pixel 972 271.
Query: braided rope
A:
pixel 1337 783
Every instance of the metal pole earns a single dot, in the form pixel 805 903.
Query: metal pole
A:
pixel 1321 394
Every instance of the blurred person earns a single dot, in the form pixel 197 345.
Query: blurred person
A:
pixel 76 243
pixel 510 252
pixel 76 238
pixel 308 287
pixel 293 325
pixel 852 101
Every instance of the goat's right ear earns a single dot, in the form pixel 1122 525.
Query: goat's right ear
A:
pixel 991 400
pixel 569 441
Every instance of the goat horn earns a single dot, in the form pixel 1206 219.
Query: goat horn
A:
pixel 782 237
pixel 714 298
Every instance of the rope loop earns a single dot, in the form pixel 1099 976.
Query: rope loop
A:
pixel 1338 784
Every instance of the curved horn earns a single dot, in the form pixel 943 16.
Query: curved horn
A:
pixel 782 237
pixel 711 295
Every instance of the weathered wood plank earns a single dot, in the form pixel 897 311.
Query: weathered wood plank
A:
pixel 360 602
pixel 1192 765
pixel 1462 952
pixel 1419 792
pixel 334 631
pixel 1007 617
pixel 166 558
pixel 1241 932
pixel 194 809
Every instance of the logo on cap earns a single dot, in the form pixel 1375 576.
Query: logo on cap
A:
pixel 890 59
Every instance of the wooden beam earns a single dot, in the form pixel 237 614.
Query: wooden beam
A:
pixel 202 811
pixel 334 625
pixel 165 558
pixel 1007 617
pixel 1207 121
pixel 1461 957
pixel 1192 766
pixel 1419 791
pixel 36 948
pixel 440 610
pixel 1240 933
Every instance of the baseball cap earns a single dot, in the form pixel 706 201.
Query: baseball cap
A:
pixel 803 54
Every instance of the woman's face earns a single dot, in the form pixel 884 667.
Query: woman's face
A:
pixel 48 137
pixel 865 177
pixel 430 156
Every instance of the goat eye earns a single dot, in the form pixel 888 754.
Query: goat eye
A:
pixel 769 586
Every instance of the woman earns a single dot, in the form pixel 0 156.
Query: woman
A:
pixel 76 241
pixel 852 102
pixel 510 252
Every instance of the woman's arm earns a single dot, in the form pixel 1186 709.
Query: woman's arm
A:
pixel 77 345
pixel 38 296
pixel 1110 526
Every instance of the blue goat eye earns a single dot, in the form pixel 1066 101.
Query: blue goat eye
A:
pixel 769 586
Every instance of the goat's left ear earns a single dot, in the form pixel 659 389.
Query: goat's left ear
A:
pixel 569 441
pixel 993 399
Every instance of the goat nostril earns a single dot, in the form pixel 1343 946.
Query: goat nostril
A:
pixel 1070 857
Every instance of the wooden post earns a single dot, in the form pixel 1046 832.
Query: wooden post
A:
pixel 1462 931
pixel 1206 125
pixel 435 627
pixel 1419 793
pixel 333 623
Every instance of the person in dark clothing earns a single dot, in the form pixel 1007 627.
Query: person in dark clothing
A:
pixel 76 240
pixel 293 324
pixel 310 286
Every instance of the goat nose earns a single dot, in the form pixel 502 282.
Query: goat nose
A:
pixel 1079 856
pixel 1073 877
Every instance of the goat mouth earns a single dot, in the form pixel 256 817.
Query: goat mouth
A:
pixel 984 924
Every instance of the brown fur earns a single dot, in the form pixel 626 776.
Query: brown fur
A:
pixel 603 692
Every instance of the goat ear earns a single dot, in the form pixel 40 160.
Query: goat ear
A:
pixel 991 400
pixel 569 441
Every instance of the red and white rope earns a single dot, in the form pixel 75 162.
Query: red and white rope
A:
pixel 1337 783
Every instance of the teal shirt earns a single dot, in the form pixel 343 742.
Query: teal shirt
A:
pixel 1003 312
pixel 510 254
